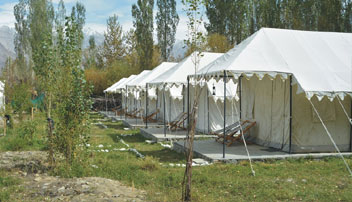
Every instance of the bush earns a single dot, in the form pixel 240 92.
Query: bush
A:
pixel 26 136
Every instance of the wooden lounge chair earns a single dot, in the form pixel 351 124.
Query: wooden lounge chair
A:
pixel 178 122
pixel 118 110
pixel 134 113
pixel 233 132
pixel 149 118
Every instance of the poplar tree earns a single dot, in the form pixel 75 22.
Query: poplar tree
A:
pixel 113 48
pixel 167 20
pixel 142 12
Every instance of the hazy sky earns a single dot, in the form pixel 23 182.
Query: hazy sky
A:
pixel 97 13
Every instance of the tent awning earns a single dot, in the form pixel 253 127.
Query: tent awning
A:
pixel 320 62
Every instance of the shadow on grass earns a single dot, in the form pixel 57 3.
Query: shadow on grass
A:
pixel 165 155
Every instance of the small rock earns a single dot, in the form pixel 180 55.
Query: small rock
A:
pixel 94 166
pixel 289 180
pixel 62 189
pixel 304 180
pixel 37 179
pixel 100 146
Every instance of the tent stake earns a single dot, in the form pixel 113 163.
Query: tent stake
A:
pixel 146 106
pixel 224 140
pixel 290 143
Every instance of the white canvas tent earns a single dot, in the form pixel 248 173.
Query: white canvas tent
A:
pixel 111 89
pixel 286 73
pixel 120 88
pixel 211 104
pixel 139 86
pixel 132 97
pixel 170 85
pixel 2 95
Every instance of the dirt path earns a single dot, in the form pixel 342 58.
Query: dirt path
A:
pixel 36 185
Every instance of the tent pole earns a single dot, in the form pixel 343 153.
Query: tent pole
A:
pixel 183 102
pixel 290 143
pixel 164 112
pixel 351 130
pixel 169 111
pixel 224 139
pixel 106 105
pixel 135 104
pixel 188 107
pixel 240 95
pixel 208 110
pixel 146 106
pixel 157 100
pixel 126 97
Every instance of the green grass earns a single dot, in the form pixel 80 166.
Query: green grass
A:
pixel 8 186
pixel 285 180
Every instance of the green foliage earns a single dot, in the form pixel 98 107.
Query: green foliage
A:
pixel 27 135
pixel 7 184
pixel 167 20
pixel 238 19
pixel 20 96
pixel 142 12
pixel 217 43
pixel 72 118
pixel 113 41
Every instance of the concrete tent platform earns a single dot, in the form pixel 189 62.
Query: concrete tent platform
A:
pixel 211 150
pixel 139 123
pixel 157 134
pixel 111 115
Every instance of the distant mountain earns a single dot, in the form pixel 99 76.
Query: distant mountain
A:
pixel 99 37
pixel 7 47
pixel 179 50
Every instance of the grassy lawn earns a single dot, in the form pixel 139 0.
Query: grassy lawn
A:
pixel 285 180
pixel 8 186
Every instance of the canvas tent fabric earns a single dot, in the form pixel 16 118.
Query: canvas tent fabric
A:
pixel 112 88
pixel 122 86
pixel 177 75
pixel 139 84
pixel 170 85
pixel 211 104
pixel 320 62
pixel 132 96
pixel 320 65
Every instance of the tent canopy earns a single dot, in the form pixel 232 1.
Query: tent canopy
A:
pixel 157 71
pixel 122 85
pixel 177 75
pixel 110 89
pixel 320 62
pixel 138 78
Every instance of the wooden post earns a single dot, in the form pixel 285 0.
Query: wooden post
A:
pixel 32 113
pixel 5 125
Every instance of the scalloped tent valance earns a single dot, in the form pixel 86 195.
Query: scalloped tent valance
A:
pixel 319 62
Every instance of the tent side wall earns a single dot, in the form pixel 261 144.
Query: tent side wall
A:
pixel 267 102
pixel 308 134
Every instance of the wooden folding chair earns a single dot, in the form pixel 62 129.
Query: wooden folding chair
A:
pixel 134 113
pixel 233 132
pixel 178 122
pixel 149 118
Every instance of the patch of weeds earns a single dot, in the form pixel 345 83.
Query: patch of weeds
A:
pixel 7 185
pixel 150 164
